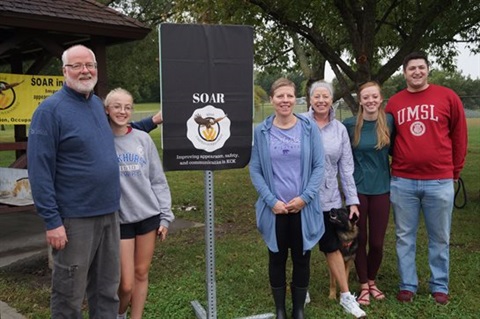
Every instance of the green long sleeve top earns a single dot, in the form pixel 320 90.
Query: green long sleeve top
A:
pixel 372 166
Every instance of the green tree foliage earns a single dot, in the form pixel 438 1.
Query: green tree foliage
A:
pixel 259 97
pixel 467 88
pixel 135 67
pixel 361 39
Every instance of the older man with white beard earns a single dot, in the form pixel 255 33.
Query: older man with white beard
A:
pixel 74 177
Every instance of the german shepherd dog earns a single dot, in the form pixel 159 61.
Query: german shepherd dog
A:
pixel 347 231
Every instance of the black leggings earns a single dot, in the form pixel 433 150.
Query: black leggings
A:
pixel 288 229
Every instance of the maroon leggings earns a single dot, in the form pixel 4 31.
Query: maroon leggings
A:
pixel 374 211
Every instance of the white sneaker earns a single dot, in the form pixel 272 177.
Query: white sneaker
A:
pixel 351 306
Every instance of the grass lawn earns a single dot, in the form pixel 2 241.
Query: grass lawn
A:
pixel 178 275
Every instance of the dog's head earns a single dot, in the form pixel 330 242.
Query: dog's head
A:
pixel 340 217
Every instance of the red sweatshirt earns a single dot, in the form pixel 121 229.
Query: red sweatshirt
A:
pixel 431 133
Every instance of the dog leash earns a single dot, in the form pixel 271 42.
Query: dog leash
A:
pixel 460 187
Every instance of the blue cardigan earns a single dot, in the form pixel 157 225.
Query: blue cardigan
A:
pixel 312 175
pixel 72 163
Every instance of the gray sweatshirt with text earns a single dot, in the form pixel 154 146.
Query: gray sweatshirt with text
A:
pixel 144 188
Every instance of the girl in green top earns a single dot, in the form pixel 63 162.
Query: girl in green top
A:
pixel 370 135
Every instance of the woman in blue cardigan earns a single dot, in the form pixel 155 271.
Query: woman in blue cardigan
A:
pixel 286 169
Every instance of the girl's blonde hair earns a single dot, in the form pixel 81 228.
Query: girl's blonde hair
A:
pixel 383 133
pixel 108 98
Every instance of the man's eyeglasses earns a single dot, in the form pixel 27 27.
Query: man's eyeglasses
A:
pixel 80 66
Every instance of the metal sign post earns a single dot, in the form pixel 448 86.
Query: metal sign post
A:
pixel 209 253
pixel 200 312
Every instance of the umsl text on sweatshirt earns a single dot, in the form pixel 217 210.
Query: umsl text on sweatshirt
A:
pixel 431 133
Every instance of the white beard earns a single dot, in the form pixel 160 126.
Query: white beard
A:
pixel 84 87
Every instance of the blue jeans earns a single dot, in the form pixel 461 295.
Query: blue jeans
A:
pixel 434 198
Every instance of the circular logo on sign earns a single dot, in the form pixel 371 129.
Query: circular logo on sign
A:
pixel 7 94
pixel 208 128
pixel 417 128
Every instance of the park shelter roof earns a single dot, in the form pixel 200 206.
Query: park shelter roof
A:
pixel 31 26
pixel 37 31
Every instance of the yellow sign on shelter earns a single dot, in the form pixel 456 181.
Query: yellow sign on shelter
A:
pixel 20 95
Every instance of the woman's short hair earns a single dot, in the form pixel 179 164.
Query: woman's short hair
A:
pixel 321 84
pixel 281 82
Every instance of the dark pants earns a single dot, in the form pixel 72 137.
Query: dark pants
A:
pixel 89 263
pixel 374 213
pixel 288 229
pixel 329 242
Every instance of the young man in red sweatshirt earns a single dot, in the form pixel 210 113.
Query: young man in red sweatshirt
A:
pixel 428 154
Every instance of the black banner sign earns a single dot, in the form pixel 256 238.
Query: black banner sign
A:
pixel 207 96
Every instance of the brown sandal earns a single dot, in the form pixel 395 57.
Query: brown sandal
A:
pixel 375 292
pixel 364 298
